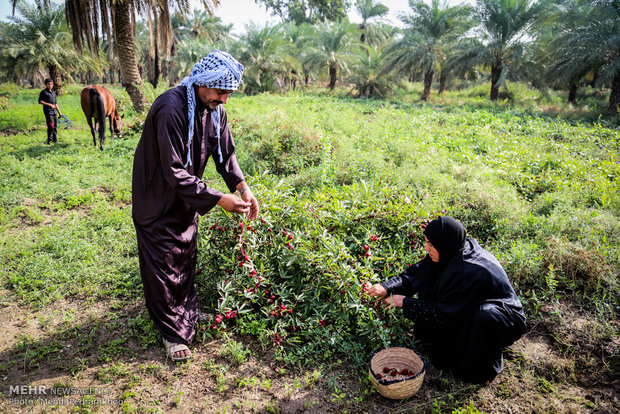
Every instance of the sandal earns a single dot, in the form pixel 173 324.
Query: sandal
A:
pixel 172 348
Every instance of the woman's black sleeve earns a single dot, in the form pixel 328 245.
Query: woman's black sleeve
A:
pixel 423 311
pixel 406 283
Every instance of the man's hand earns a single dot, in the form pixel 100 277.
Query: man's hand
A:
pixel 248 197
pixel 58 109
pixel 234 204
pixel 377 290
pixel 394 301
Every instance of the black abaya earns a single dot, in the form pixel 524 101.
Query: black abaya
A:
pixel 465 308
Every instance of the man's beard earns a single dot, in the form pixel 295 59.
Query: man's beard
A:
pixel 213 104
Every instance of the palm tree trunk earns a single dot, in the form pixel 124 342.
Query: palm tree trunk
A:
pixel 157 66
pixel 443 82
pixel 592 83
pixel 428 82
pixel 332 76
pixel 55 75
pixel 614 97
pixel 496 72
pixel 149 69
pixel 164 69
pixel 127 54
pixel 154 60
pixel 150 60
pixel 572 94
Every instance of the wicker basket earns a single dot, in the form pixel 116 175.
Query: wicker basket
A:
pixel 399 358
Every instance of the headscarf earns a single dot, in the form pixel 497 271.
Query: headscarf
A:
pixel 447 236
pixel 217 70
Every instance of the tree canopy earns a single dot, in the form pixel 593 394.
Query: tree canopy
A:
pixel 307 11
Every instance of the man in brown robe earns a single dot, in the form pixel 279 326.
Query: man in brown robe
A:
pixel 184 127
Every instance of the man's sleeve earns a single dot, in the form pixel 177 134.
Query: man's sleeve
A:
pixel 41 98
pixel 170 127
pixel 229 167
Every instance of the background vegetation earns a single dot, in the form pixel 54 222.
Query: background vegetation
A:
pixel 558 44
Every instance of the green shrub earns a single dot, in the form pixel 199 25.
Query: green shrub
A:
pixel 581 269
pixel 294 278
pixel 279 146
pixel 9 90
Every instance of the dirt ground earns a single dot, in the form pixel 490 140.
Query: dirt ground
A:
pixel 85 351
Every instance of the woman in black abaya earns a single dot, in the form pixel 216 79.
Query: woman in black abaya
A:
pixel 465 307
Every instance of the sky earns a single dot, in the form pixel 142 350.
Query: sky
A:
pixel 242 12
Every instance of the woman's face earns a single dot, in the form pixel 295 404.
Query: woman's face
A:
pixel 432 252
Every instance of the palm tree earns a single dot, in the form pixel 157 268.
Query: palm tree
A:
pixel 189 51
pixel 307 11
pixel 380 33
pixel 298 37
pixel 552 52
pixel 38 41
pixel 369 10
pixel 161 30
pixel 116 19
pixel 268 58
pixel 144 47
pixel 430 29
pixel 500 44
pixel 87 64
pixel 110 58
pixel 331 48
pixel 589 43
pixel 369 74
pixel 199 25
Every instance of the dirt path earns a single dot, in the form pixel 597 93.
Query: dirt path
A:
pixel 99 356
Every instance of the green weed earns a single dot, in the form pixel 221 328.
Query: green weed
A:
pixel 234 352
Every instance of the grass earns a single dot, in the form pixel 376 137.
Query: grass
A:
pixel 529 187
pixel 535 181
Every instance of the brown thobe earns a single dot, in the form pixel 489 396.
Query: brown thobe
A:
pixel 167 200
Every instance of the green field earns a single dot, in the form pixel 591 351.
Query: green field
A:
pixel 540 190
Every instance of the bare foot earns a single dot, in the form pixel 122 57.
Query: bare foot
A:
pixel 183 354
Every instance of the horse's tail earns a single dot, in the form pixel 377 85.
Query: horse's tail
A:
pixel 98 108
pixel 96 103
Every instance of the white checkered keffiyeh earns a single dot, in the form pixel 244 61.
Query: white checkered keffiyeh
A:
pixel 217 70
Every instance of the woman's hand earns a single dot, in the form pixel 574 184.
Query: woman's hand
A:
pixel 395 301
pixel 377 290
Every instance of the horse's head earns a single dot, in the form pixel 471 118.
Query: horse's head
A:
pixel 117 123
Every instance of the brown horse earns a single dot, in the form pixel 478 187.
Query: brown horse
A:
pixel 99 103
